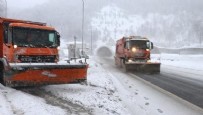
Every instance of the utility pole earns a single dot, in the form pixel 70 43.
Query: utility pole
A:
pixel 91 41
pixel 83 15
pixel 75 48
pixel 115 31
pixel 6 8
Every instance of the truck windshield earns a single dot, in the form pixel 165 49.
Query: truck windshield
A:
pixel 34 37
pixel 138 44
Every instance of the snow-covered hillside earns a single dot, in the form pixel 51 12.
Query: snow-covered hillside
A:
pixel 180 29
pixel 172 24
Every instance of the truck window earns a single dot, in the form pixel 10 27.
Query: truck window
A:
pixel 5 36
pixel 51 37
pixel 127 45
pixel 10 35
pixel 20 36
pixel 148 44
pixel 142 44
pixel 5 32
pixel 116 48
pixel 34 37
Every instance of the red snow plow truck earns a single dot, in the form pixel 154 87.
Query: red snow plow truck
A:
pixel 133 54
pixel 29 56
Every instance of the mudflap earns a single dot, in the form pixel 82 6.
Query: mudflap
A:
pixel 149 68
pixel 37 75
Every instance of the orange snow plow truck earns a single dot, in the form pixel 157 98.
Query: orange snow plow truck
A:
pixel 29 56
pixel 133 54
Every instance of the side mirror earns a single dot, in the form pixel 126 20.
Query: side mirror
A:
pixel 58 38
pixel 5 35
pixel 152 46
pixel 124 45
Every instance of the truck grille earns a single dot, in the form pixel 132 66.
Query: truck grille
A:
pixel 139 54
pixel 36 59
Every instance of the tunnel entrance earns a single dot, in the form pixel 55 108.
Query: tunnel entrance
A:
pixel 104 52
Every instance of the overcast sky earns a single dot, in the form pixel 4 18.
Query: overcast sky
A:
pixel 22 4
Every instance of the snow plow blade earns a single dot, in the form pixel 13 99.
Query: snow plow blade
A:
pixel 143 67
pixel 44 74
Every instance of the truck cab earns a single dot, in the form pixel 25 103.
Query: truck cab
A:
pixel 29 56
pixel 137 48
pixel 30 43
pixel 133 54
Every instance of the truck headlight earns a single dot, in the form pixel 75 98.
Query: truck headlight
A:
pixel 134 49
pixel 130 60
pixel 15 46
pixel 58 48
pixel 147 49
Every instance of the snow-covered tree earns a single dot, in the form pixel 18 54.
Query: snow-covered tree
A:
pixel 168 23
pixel 2 7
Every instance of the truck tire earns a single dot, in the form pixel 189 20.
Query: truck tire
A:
pixel 1 73
pixel 119 64
pixel 123 66
pixel 83 82
pixel 122 63
pixel 1 77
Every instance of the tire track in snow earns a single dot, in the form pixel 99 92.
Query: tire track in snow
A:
pixel 53 100
pixel 176 88
pixel 182 69
pixel 14 110
pixel 125 89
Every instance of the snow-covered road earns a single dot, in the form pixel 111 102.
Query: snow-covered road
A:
pixel 15 102
pixel 159 100
pixel 109 91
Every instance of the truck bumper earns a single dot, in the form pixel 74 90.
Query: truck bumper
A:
pixel 44 74
pixel 143 67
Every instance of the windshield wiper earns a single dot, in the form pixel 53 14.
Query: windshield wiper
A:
pixel 31 45
pixel 24 45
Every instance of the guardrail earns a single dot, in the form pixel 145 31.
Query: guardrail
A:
pixel 195 51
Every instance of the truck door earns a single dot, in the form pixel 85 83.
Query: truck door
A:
pixel 7 39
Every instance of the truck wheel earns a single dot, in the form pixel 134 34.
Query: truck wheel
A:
pixel 1 81
pixel 120 63
pixel 83 82
pixel 1 77
pixel 123 66
pixel 2 73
